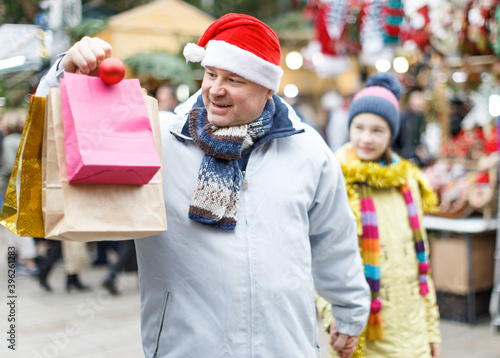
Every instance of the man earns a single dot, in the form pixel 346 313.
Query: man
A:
pixel 257 212
pixel 336 130
pixel 408 143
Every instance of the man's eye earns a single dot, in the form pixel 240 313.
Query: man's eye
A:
pixel 232 80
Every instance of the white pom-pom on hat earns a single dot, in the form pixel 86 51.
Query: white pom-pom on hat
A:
pixel 193 53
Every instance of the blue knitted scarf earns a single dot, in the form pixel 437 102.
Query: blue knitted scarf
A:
pixel 216 196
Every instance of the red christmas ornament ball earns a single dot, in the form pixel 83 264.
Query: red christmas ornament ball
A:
pixel 111 71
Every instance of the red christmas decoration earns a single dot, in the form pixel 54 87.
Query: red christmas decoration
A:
pixel 416 29
pixel 111 71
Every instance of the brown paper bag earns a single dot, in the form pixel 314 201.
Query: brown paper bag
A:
pixel 22 208
pixel 96 212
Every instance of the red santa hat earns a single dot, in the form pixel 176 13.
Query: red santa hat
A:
pixel 243 45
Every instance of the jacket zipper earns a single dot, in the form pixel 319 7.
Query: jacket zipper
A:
pixel 244 183
pixel 244 186
pixel 162 320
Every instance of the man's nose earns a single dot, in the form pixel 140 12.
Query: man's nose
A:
pixel 217 89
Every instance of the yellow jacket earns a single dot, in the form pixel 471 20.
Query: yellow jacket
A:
pixel 410 321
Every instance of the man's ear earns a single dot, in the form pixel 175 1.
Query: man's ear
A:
pixel 269 94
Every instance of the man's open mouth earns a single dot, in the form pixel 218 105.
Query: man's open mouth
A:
pixel 221 105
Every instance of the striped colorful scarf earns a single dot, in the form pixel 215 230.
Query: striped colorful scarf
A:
pixel 216 196
pixel 371 252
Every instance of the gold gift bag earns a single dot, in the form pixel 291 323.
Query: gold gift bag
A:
pixel 22 207
pixel 96 212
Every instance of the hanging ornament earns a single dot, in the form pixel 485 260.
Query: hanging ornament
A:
pixel 415 32
pixel 335 18
pixel 350 36
pixel 321 30
pixel 325 54
pixel 392 15
pixel 479 115
pixel 473 38
pixel 371 34
pixel 310 10
pixel 445 23
pixel 330 26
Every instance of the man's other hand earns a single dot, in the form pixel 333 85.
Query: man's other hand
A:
pixel 341 343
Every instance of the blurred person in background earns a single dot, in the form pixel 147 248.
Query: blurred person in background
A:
pixel 336 131
pixel 75 257
pixel 408 144
pixel 166 94
pixel 303 110
pixel 127 261
pixel 12 125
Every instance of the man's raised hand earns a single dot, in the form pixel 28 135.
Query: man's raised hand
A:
pixel 85 55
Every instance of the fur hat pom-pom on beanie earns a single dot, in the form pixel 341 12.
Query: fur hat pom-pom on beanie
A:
pixel 385 80
pixel 381 97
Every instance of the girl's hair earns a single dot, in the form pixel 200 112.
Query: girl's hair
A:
pixel 13 121
pixel 387 156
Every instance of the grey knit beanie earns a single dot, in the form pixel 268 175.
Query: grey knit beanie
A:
pixel 381 97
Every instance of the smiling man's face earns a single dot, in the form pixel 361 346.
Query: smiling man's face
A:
pixel 232 100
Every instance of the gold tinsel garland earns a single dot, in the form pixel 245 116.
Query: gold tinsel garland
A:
pixel 385 177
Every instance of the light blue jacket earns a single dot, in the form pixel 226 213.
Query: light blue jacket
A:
pixel 250 292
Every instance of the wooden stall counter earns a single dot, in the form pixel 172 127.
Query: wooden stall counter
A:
pixel 462 262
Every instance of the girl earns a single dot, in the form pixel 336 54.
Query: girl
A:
pixel 388 195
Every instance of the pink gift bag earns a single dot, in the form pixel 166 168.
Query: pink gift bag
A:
pixel 107 132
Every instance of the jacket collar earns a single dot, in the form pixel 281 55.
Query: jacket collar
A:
pixel 282 124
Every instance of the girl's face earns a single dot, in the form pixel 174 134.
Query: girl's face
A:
pixel 370 136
